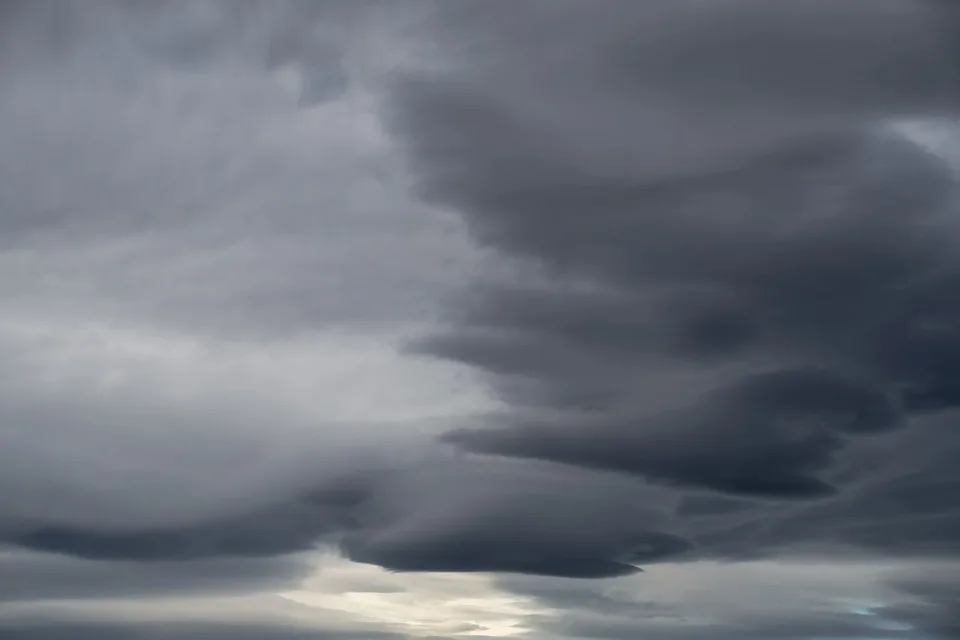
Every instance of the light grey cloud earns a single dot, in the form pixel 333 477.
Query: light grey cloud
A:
pixel 933 602
pixel 201 196
pixel 744 600
pixel 197 269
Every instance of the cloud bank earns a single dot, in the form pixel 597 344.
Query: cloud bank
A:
pixel 647 292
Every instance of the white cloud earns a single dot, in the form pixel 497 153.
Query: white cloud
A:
pixel 418 604
pixel 114 424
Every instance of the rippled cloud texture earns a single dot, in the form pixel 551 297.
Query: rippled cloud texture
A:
pixel 360 319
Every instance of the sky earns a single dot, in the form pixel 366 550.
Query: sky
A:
pixel 553 319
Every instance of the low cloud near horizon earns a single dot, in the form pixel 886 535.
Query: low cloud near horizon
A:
pixel 415 318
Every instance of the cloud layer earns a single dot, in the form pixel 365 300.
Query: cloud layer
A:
pixel 777 327
pixel 658 291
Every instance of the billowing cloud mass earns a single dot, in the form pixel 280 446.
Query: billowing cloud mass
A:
pixel 506 517
pixel 553 318
pixel 778 328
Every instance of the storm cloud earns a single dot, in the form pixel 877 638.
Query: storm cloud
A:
pixel 524 518
pixel 820 323
pixel 576 313
pixel 32 576
pixel 763 327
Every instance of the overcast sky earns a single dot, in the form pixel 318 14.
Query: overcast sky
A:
pixel 391 319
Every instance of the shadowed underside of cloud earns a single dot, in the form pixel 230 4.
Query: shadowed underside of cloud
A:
pixel 816 284
pixel 29 576
pixel 284 531
pixel 473 516
pixel 763 306
pixel 741 296
pixel 768 436
pixel 907 507
pixel 935 608
pixel 524 518
pixel 285 528
pixel 670 88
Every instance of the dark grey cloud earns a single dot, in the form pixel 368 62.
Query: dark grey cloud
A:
pixel 750 326
pixel 727 270
pixel 288 528
pixel 824 272
pixel 768 435
pixel 905 507
pixel 28 576
pixel 468 515
pixel 722 324
pixel 933 606
pixel 476 515
pixel 666 88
